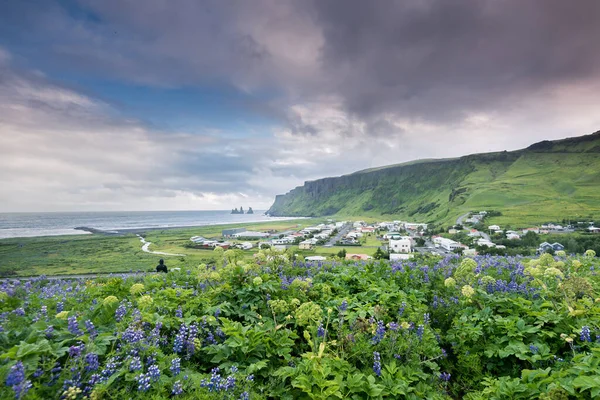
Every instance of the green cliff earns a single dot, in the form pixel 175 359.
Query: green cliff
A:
pixel 550 180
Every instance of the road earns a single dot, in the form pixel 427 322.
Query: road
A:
pixel 460 219
pixel 146 245
pixel 342 232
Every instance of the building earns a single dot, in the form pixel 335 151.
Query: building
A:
pixel 594 229
pixel 232 231
pixel 447 244
pixel 414 226
pixel 246 246
pixel 402 245
pixel 513 236
pixel 494 228
pixel 452 231
pixel 399 256
pixel 545 246
pixel 315 258
pixel 307 244
pixel 250 235
pixel 485 242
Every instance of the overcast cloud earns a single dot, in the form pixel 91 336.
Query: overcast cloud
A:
pixel 297 90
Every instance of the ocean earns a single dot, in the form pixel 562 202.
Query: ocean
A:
pixel 63 223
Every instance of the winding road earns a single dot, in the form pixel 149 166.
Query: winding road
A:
pixel 146 246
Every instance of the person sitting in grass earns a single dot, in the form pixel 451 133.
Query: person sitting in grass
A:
pixel 161 267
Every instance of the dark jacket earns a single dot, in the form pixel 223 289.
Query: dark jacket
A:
pixel 161 267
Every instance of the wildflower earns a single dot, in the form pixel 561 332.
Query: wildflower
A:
pixel 320 331
pixel 71 393
pixel 179 312
pixel 554 272
pixel 405 325
pixel 250 378
pixel 145 301
pixel 590 253
pixel 91 360
pixel 49 331
pixel 175 366
pixel 120 312
pixel 401 309
pixel 177 388
pixel 467 291
pixel 245 396
pixel 420 331
pixel 154 372
pixel 109 300
pixel 534 349
pixel 73 326
pixel 19 311
pixel 91 329
pixel 137 288
pixel 445 376
pixel 257 281
pixel 379 333
pixel 62 315
pixel 393 326
pixel 135 364
pixel 450 282
pixel 143 381
pixel 585 334
pixel 16 380
pixel 376 363
pixel 60 307
pixel 344 306
pixel 426 318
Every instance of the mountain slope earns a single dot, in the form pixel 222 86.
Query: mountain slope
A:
pixel 548 180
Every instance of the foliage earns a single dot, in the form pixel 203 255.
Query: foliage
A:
pixel 476 328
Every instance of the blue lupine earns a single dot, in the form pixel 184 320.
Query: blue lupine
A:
pixel 177 388
pixel 135 364
pixel 534 349
pixel 420 331
pixel 445 376
pixel 179 312
pixel 19 311
pixel 344 306
pixel 401 310
pixel 49 331
pixel 426 318
pixel 91 329
pixel 393 326
pixel 175 366
pixel 143 381
pixel 376 363
pixel 120 312
pixel 250 378
pixel 154 372
pixel 321 331
pixel 73 326
pixel 60 306
pixel 91 361
pixel 245 396
pixel 585 334
pixel 16 374
pixel 379 333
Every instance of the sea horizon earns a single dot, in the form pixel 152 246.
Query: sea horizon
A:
pixel 56 223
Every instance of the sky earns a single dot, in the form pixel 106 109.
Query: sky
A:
pixel 210 105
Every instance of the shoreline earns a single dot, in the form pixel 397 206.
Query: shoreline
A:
pixel 139 230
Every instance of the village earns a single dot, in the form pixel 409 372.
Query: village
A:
pixel 393 240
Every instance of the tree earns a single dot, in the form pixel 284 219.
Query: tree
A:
pixel 342 253
pixel 531 239
pixel 380 254
pixel 420 242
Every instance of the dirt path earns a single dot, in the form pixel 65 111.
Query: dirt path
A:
pixel 146 246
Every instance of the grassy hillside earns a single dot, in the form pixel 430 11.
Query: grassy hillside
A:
pixel 550 180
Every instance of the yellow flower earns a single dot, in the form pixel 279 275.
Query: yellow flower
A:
pixel 3 296
pixel 109 300
pixel 145 301
pixel 71 393
pixel 307 336
pixel 257 281
pixel 467 291
pixel 62 315
pixel 137 288
pixel 450 282
pixel 405 325
pixel 569 340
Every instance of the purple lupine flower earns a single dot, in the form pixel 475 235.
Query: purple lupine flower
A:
pixel 344 306
pixel 91 361
pixel 229 383
pixel 143 381
pixel 420 331
pixel 233 369
pixel 19 311
pixel 73 326
pixel 585 334
pixel 75 351
pixel 91 329
pixel 401 309
pixel 154 372
pixel 60 306
pixel 175 366
pixel 135 364
pixel 177 388
pixel 534 349
pixel 445 376
pixel 49 331
pixel 217 313
pixel 376 363
pixel 16 375
pixel 245 396
pixel 179 312
pixel 321 331
pixel 120 312
pixel 426 319
pixel 397 356
pixel 250 378
pixel 393 326
pixel 379 333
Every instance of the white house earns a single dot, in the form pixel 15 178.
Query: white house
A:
pixel 513 236
pixel 246 246
pixel 452 231
pixel 250 234
pixel 402 245
pixel 447 244
pixel 485 242
pixel 494 228
pixel 307 244
pixel 315 258
pixel 400 256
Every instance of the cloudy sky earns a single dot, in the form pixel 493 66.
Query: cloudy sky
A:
pixel 186 104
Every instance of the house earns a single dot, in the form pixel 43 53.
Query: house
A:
pixel 307 244
pixel 545 246
pixel 315 258
pixel 281 247
pixel 363 257
pixel 494 228
pixel 513 236
pixel 534 230
pixel 469 252
pixel 232 231
pixel 484 242
pixel 392 235
pixel 402 245
pixel 594 229
pixel 246 246
pixel 367 229
pixel 447 244
pixel 414 226
pixel 452 231
pixel 400 256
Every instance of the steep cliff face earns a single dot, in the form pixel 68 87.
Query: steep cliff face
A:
pixel 439 189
